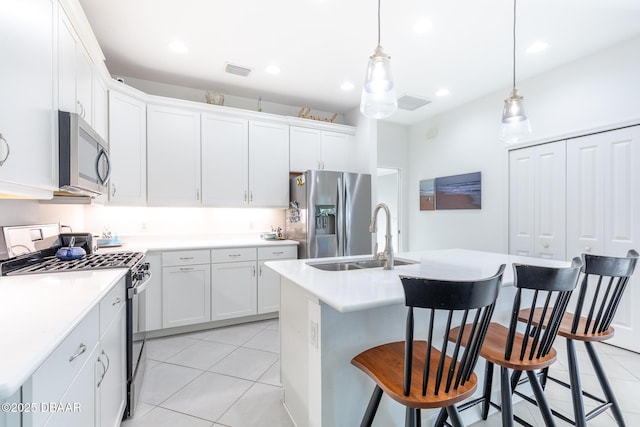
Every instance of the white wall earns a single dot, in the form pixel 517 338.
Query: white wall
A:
pixel 393 152
pixel 599 91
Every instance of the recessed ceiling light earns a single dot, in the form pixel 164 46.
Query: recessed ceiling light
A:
pixel 537 47
pixel 346 86
pixel 423 26
pixel 273 69
pixel 178 47
pixel 442 92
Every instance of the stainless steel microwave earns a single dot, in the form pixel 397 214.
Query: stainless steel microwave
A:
pixel 84 166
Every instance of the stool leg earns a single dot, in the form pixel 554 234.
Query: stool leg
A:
pixel 442 418
pixel 542 402
pixel 505 394
pixel 576 385
pixel 604 383
pixel 486 395
pixel 456 421
pixel 372 408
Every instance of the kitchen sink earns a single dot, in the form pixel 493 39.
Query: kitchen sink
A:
pixel 357 264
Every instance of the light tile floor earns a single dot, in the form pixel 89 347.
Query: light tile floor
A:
pixel 231 377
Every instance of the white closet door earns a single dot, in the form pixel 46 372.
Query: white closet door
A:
pixel 537 201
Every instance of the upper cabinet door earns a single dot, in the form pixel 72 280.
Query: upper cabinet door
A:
pixel 304 151
pixel 28 142
pixel 334 154
pixel 537 201
pixel 173 157
pixel 268 164
pixel 66 64
pixel 224 161
pixel 128 151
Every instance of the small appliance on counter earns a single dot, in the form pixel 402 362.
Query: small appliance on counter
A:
pixel 42 249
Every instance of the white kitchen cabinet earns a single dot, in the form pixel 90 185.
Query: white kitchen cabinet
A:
pixel 234 291
pixel 268 164
pixel 233 283
pixel 603 201
pixel 81 397
pixel 28 142
pixel 128 150
pixel 111 382
pixel 69 371
pixel 225 165
pixel 186 288
pixel 537 208
pixel 100 107
pixel 112 375
pixel 173 156
pixel 66 64
pixel 269 280
pixel 84 84
pixel 317 149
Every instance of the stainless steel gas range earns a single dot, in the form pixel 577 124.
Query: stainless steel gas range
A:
pixel 32 249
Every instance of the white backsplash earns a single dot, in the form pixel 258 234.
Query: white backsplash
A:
pixel 25 212
pixel 155 221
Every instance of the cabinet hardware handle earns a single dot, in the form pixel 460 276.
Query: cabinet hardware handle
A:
pixel 117 301
pixel 104 371
pixel 277 252
pixel 235 255
pixel 587 248
pixel 254 271
pixel 245 195
pixel 113 193
pixel 545 245
pixel 186 268
pixel 198 194
pixel 81 349
pixel 6 144
pixel 260 271
pixel 186 257
pixel 108 362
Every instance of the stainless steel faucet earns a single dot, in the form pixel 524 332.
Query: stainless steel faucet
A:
pixel 387 254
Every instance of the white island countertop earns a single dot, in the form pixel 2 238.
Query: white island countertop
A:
pixel 38 311
pixel 363 289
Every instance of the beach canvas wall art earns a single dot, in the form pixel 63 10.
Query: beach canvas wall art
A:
pixel 427 195
pixel 458 191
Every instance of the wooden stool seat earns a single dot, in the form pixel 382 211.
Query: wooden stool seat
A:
pixel 566 324
pixel 493 350
pixel 385 365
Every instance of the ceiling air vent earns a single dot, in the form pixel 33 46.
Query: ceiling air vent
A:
pixel 411 103
pixel 238 70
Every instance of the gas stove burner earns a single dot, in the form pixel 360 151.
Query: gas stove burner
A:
pixel 88 262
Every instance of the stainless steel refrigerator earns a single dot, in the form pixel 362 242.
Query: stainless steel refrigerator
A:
pixel 329 214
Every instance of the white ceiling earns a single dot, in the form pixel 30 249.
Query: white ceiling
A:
pixel 319 44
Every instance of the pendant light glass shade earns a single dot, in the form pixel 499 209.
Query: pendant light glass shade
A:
pixel 378 93
pixel 515 122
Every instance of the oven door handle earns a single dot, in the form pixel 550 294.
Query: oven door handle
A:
pixel 140 287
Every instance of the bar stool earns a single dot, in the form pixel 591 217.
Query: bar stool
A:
pixel 419 374
pixel 602 286
pixel 529 350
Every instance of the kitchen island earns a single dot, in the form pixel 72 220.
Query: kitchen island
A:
pixel 328 317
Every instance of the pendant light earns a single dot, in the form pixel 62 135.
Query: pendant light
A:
pixel 515 123
pixel 378 93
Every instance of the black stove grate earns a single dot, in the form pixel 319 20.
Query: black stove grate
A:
pixel 88 262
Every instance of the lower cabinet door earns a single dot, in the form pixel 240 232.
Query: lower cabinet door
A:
pixel 111 380
pixel 77 408
pixel 234 290
pixel 268 289
pixel 186 295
